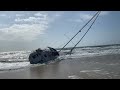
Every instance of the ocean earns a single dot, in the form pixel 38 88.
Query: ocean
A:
pixel 99 62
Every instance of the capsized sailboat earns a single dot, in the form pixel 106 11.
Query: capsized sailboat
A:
pixel 49 54
pixel 42 56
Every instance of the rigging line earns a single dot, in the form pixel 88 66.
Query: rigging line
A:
pixel 85 33
pixel 69 38
pixel 75 26
pixel 79 31
pixel 61 45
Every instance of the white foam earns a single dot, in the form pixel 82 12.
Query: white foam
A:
pixel 10 66
pixel 18 59
pixel 84 71
pixel 14 55
pixel 95 51
pixel 74 77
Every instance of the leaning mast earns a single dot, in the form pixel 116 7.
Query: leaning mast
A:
pixel 96 15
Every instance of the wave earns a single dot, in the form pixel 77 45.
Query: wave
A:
pixel 19 59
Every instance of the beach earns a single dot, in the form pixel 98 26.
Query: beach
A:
pixel 59 45
pixel 95 67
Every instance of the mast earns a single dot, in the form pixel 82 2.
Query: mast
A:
pixel 85 33
pixel 79 31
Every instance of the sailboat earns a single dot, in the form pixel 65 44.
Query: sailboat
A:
pixel 42 56
pixel 49 54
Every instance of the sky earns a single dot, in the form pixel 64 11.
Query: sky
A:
pixel 29 30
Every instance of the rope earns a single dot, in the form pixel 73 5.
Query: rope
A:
pixel 85 33
pixel 78 31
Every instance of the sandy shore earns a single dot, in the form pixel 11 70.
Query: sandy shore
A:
pixel 99 67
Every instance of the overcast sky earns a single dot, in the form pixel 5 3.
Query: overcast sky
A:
pixel 29 30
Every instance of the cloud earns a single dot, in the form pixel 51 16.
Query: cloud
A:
pixel 19 15
pixel 23 32
pixel 58 14
pixel 85 16
pixel 43 17
pixel 31 20
pixel 3 25
pixel 3 15
pixel 25 29
pixel 81 18
pixel 103 13
pixel 39 14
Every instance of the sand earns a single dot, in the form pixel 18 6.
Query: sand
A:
pixel 97 67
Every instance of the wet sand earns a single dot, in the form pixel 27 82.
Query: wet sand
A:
pixel 98 67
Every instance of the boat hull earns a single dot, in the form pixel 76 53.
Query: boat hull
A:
pixel 43 56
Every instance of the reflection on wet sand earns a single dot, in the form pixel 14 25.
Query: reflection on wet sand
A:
pixel 45 71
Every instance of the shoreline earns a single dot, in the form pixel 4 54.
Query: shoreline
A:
pixel 98 67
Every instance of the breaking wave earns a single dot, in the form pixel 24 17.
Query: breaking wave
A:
pixel 14 60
